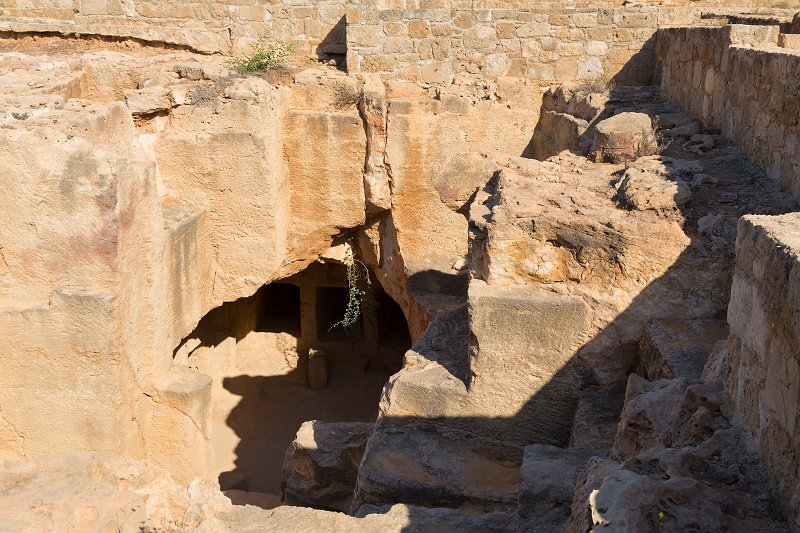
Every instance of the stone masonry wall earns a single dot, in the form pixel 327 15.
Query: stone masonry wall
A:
pixel 209 26
pixel 438 45
pixel 763 365
pixel 735 78
pixel 229 26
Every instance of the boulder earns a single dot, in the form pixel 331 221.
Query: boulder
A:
pixel 641 191
pixel 557 132
pixel 321 464
pixel 624 137
pixel 647 416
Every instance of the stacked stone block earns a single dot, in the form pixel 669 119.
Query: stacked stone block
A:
pixel 763 367
pixel 736 79
pixel 212 26
pixel 436 45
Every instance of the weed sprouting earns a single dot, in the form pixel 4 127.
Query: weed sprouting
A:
pixel 266 55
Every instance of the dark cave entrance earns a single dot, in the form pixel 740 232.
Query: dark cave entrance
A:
pixel 256 351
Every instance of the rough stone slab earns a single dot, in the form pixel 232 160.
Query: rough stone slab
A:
pixel 321 464
pixel 534 334
pixel 557 132
pixel 726 493
pixel 547 485
pixel 679 348
pixel 425 463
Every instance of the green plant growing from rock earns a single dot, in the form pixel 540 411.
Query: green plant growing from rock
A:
pixel 265 55
pixel 660 521
pixel 356 270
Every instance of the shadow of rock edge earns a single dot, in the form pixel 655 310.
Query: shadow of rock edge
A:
pixel 451 457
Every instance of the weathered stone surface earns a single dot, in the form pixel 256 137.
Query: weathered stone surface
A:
pixel 458 177
pixel 321 464
pixel 597 417
pixel 537 333
pixel 656 183
pixel 583 101
pixel 147 101
pixel 87 492
pixel 667 413
pixel 679 348
pixel 715 368
pixel 373 108
pixel 419 519
pixel 547 485
pixel 716 486
pixel 557 132
pixel 624 137
pixel 761 371
pixel 369 519
pixel 420 462
pixel 557 223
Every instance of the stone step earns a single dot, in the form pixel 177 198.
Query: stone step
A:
pixel 674 348
pixel 420 462
pixel 547 485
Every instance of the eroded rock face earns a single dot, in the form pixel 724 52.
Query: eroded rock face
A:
pixel 715 486
pixel 321 464
pixel 419 462
pixel 673 348
pixel 547 485
pixel 558 224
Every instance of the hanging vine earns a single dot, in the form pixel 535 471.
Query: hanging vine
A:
pixel 356 271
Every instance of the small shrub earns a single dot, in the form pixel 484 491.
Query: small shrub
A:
pixel 344 98
pixel 594 85
pixel 203 95
pixel 661 141
pixel 265 56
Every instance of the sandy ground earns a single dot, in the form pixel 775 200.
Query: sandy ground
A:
pixel 256 414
